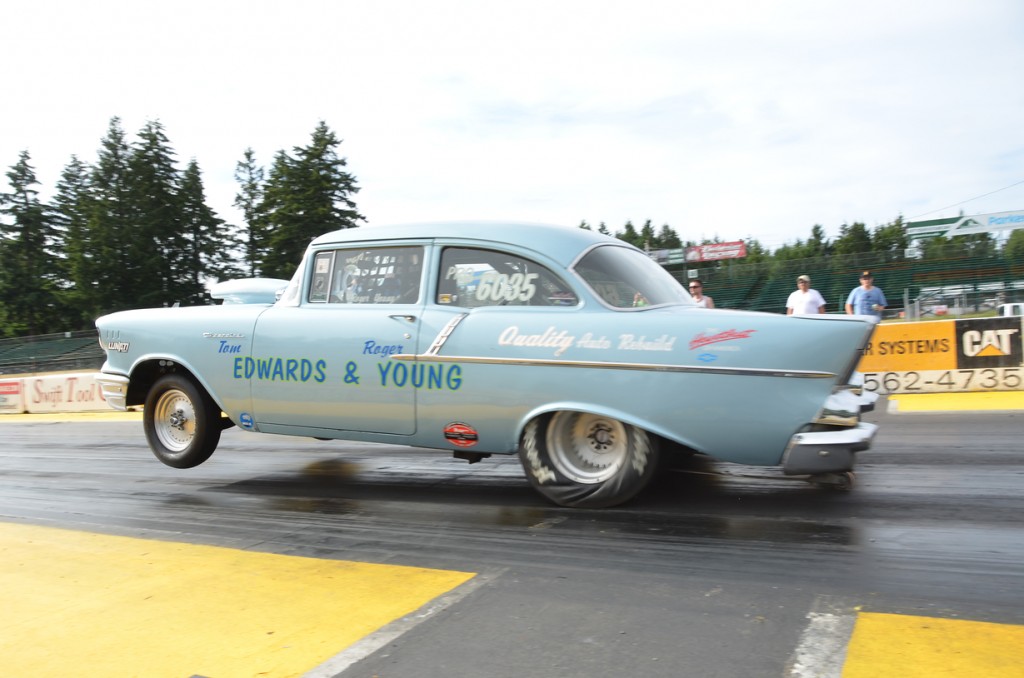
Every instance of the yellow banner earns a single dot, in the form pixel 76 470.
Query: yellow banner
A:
pixel 898 347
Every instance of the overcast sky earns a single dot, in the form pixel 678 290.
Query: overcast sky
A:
pixel 733 119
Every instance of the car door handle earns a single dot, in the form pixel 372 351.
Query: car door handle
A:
pixel 403 316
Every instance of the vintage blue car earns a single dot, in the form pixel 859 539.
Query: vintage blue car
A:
pixel 572 349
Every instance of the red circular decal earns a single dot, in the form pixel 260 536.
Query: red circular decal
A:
pixel 460 435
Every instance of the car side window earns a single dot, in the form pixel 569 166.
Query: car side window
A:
pixel 477 277
pixel 367 275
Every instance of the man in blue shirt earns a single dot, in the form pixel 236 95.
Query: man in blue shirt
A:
pixel 866 299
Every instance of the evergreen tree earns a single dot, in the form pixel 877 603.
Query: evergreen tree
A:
pixel 853 239
pixel 29 268
pixel 756 252
pixel 306 195
pixel 791 251
pixel 630 235
pixel 159 238
pixel 818 244
pixel 276 212
pixel 111 236
pixel 891 239
pixel 938 247
pixel 977 245
pixel 250 178
pixel 1013 249
pixel 603 229
pixel 209 240
pixel 648 240
pixel 72 207
pixel 584 225
pixel 668 238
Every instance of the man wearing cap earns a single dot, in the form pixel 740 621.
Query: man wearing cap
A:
pixel 805 301
pixel 866 299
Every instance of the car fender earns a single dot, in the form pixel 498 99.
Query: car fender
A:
pixel 603 411
pixel 147 368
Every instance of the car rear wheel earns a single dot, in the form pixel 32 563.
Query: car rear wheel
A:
pixel 181 422
pixel 587 460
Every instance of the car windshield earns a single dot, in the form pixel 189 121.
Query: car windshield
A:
pixel 627 278
pixel 290 295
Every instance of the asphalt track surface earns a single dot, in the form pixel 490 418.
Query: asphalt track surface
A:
pixel 284 556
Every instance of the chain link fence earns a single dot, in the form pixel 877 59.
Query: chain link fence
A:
pixel 61 352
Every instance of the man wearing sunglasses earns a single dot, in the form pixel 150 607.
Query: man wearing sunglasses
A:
pixel 697 292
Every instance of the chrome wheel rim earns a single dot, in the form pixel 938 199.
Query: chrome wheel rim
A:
pixel 174 420
pixel 587 448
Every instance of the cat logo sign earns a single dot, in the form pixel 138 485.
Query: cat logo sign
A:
pixel 995 343
pixel 988 343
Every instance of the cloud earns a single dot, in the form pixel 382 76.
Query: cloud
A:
pixel 735 119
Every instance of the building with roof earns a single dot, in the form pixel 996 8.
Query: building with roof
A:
pixel 998 225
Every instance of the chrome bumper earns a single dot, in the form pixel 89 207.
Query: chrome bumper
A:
pixel 826 451
pixel 114 388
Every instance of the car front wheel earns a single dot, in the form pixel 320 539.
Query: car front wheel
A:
pixel 181 422
pixel 586 460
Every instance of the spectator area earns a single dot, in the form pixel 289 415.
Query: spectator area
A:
pixel 766 286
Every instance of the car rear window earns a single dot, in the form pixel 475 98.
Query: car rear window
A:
pixel 623 277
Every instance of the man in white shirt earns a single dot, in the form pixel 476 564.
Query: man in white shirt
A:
pixel 804 301
pixel 697 292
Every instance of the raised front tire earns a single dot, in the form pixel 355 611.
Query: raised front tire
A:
pixel 182 422
pixel 587 460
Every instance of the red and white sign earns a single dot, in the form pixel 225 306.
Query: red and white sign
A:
pixel 11 400
pixel 63 393
pixel 717 250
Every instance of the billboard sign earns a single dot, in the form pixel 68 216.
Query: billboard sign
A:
pixel 945 356
pixel 12 396
pixel 716 250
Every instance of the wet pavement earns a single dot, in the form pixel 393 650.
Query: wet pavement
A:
pixel 714 572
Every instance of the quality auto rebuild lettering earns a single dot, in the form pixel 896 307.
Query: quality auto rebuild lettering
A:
pixel 280 369
pixel 561 341
pixel 550 338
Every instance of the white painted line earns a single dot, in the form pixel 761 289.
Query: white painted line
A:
pixel 821 652
pixel 386 634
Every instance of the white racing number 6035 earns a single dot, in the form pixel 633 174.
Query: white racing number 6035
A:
pixel 496 286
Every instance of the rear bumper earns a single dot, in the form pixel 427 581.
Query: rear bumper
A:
pixel 844 407
pixel 114 388
pixel 826 451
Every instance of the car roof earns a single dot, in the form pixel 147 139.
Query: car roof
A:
pixel 561 243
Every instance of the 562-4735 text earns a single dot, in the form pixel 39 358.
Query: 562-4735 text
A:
pixel 945 381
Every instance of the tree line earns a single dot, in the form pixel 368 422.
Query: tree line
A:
pixel 133 230
pixel 889 240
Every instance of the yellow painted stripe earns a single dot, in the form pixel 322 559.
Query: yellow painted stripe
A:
pixel 924 647
pixel 943 402
pixel 81 604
